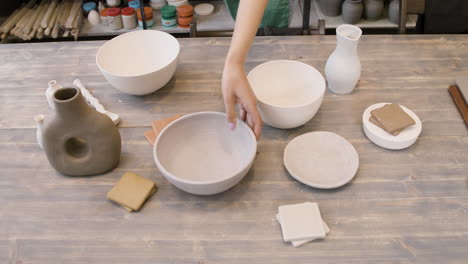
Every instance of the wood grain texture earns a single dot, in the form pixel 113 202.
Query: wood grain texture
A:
pixel 408 206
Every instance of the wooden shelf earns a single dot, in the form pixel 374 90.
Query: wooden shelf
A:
pixel 334 22
pixel 220 20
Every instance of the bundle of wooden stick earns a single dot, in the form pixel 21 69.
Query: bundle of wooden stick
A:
pixel 37 18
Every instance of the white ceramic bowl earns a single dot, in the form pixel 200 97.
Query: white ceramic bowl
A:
pixel 289 93
pixel 199 154
pixel 382 138
pixel 139 62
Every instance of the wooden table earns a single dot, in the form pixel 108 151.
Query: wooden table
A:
pixel 403 207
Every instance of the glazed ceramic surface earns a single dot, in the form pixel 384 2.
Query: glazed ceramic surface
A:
pixel 78 140
pixel 343 68
pixel 289 93
pixel 139 62
pixel 352 11
pixel 199 154
pixel 381 138
pixel 321 159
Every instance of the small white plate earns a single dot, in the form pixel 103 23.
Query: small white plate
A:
pixel 382 138
pixel 321 159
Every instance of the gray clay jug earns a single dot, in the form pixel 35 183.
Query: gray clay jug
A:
pixel 394 12
pixel 331 7
pixel 373 9
pixel 352 11
pixel 78 140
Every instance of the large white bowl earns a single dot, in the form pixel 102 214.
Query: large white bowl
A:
pixel 139 62
pixel 289 93
pixel 199 154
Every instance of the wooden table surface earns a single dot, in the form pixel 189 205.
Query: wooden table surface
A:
pixel 408 206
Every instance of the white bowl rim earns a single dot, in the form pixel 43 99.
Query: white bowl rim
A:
pixel 136 32
pixel 297 62
pixel 251 158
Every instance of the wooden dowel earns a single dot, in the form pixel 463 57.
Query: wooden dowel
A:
pixel 37 24
pixel 9 19
pixel 73 13
pixel 48 30
pixel 29 24
pixel 14 21
pixel 48 14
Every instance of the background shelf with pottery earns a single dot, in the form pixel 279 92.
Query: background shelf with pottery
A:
pixel 220 20
pixel 334 22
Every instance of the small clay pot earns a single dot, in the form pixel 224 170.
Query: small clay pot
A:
pixel 331 7
pixel 352 11
pixel 394 12
pixel 184 21
pixel 185 11
pixel 373 9
pixel 148 13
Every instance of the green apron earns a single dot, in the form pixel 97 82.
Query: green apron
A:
pixel 276 13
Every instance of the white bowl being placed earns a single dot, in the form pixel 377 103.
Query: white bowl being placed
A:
pixel 289 93
pixel 139 62
pixel 199 154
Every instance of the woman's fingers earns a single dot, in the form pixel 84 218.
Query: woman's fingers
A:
pixel 229 104
pixel 242 112
pixel 255 123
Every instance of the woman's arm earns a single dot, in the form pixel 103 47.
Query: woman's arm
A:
pixel 236 88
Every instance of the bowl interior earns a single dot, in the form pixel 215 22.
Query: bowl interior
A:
pixel 200 148
pixel 286 83
pixel 137 53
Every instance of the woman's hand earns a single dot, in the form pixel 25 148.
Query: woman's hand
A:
pixel 237 90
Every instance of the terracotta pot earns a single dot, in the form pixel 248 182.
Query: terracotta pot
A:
pixel 185 11
pixel 148 13
pixel 185 21
pixel 77 139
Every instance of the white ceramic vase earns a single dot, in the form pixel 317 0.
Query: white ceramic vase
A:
pixel 53 86
pixel 343 68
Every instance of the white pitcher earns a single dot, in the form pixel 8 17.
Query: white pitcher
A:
pixel 343 68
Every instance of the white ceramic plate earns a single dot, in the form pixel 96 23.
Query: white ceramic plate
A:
pixel 321 159
pixel 382 138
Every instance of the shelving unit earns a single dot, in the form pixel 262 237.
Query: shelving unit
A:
pixel 220 20
pixel 334 22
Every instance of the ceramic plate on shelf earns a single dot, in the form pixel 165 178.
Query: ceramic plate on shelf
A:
pixel 321 159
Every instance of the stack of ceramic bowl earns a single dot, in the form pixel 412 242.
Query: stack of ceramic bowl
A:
pixel 177 3
pixel 157 4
